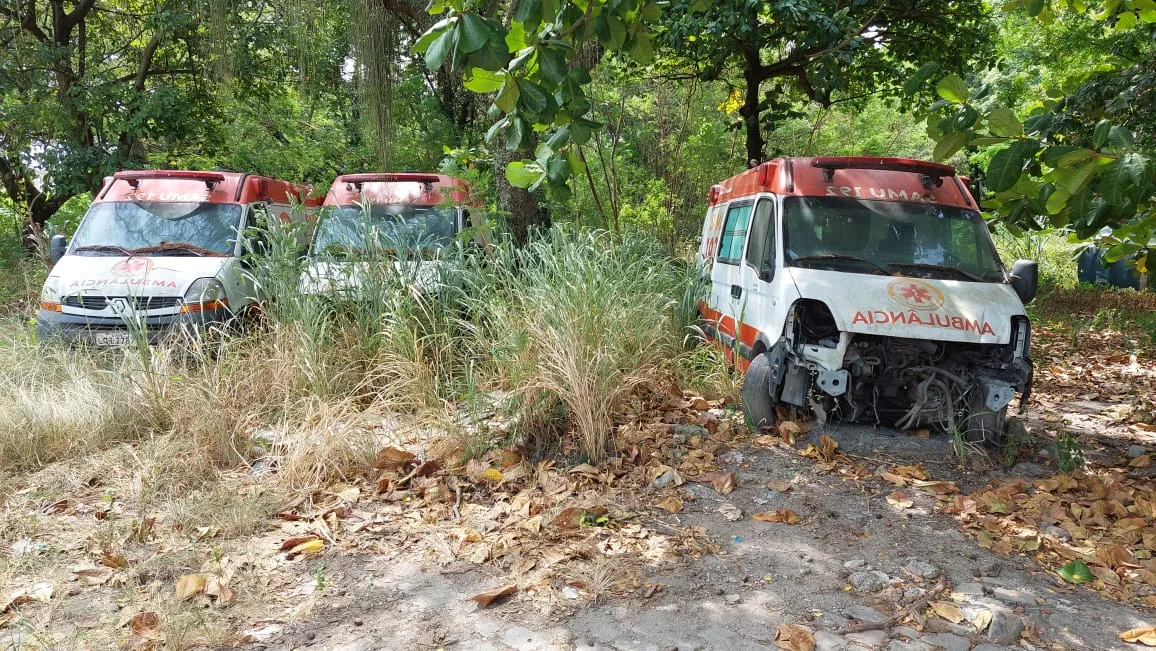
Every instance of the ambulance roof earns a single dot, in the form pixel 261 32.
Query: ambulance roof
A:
pixel 212 187
pixel 858 177
pixel 408 188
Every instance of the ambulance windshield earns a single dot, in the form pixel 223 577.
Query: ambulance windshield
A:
pixel 912 239
pixel 158 228
pixel 350 229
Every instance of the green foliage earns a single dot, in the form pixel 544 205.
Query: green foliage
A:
pixel 1081 158
pixel 532 60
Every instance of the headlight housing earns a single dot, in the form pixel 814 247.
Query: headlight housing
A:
pixel 203 295
pixel 50 294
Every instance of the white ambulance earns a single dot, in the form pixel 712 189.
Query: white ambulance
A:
pixel 160 249
pixel 408 217
pixel 869 290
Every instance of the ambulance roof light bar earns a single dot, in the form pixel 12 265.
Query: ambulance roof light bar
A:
pixel 134 177
pixel 930 172
pixel 355 181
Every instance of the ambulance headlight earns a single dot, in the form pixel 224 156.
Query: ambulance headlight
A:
pixel 205 294
pixel 50 294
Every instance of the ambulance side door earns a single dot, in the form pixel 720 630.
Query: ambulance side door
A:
pixel 759 277
pixel 728 296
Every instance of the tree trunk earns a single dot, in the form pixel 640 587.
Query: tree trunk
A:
pixel 521 208
pixel 752 74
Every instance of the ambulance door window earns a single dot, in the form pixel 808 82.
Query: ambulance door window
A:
pixel 734 235
pixel 257 233
pixel 761 248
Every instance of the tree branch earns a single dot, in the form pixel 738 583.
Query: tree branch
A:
pixel 146 62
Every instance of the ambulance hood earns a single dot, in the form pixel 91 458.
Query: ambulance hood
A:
pixel 133 276
pixel 913 308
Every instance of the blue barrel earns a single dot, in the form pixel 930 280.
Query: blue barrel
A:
pixel 1092 269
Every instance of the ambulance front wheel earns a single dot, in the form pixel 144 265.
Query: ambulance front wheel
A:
pixel 758 405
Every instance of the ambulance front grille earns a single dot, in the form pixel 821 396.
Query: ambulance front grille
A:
pixel 96 302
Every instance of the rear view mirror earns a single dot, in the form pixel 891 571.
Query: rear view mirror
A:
pixel 1025 279
pixel 56 248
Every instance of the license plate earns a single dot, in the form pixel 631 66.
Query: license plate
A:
pixel 111 338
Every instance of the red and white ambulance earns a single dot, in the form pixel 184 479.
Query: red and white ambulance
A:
pixel 405 216
pixel 159 249
pixel 867 289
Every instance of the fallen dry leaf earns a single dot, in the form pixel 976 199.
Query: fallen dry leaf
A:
pixel 190 585
pixel 780 486
pixel 20 596
pixel 308 548
pixel 492 474
pixel 671 504
pixel 786 516
pixel 392 459
pixel 290 543
pixel 1145 636
pixel 487 598
pixel 921 433
pixel 699 404
pixel 93 575
pixel 723 483
pixel 900 500
pixel 147 625
pixel 794 638
pixel 1142 461
pixel 790 430
pixel 948 611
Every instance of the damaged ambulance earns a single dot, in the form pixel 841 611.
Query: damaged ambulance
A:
pixel 867 290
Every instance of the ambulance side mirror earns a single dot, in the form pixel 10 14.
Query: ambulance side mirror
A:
pixel 56 248
pixel 1025 279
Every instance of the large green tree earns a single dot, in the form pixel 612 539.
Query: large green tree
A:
pixel 83 85
pixel 777 52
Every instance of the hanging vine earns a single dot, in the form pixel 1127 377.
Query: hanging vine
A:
pixel 375 43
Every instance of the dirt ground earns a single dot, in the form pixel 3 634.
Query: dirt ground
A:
pixel 856 557
pixel 699 535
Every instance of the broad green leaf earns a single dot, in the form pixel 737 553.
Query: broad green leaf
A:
pixel 1007 165
pixel 1052 155
pixel 528 11
pixel 1120 137
pixel 534 97
pixel 1100 133
pixel 651 12
pixel 559 138
pixel 422 44
pixel 516 38
pixel 1076 572
pixel 483 81
pixel 617 33
pixel 440 49
pixel 950 144
pixel 1058 200
pixel 1126 21
pixel 643 50
pixel 1073 158
pixel 915 82
pixel 1148 16
pixel 1121 251
pixel 507 99
pixel 1080 177
pixel 475 32
pixel 576 163
pixel 552 64
pixel 558 170
pixel 523 174
pixel 518 134
pixel 1003 122
pixel 493 55
pixel 952 89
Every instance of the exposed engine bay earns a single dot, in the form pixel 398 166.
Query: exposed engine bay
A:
pixel 900 382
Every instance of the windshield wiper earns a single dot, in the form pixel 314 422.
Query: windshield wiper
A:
pixel 937 267
pixel 836 257
pixel 107 248
pixel 172 247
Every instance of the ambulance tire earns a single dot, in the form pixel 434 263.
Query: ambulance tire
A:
pixel 758 405
pixel 983 425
